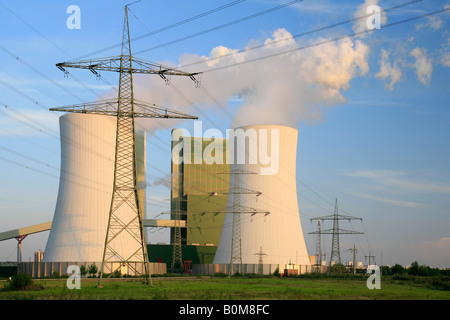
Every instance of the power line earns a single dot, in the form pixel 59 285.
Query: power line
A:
pixel 222 26
pixel 176 24
pixel 327 41
pixel 417 17
pixel 331 26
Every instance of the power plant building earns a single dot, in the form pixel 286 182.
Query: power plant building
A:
pixel 199 196
pixel 199 190
pixel 205 195
pixel 269 222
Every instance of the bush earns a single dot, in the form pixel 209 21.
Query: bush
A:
pixel 276 273
pixel 337 268
pixel 440 283
pixel 220 274
pixel 22 281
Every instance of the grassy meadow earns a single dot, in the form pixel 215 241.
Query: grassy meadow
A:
pixel 235 288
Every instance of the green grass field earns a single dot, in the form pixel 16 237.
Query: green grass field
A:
pixel 236 288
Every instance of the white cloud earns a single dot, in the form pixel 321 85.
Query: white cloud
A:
pixel 445 59
pixel 433 22
pixel 407 204
pixel 28 122
pixel 405 57
pixel 389 71
pixel 423 65
pixel 394 187
pixel 396 180
pixel 444 54
pixel 284 89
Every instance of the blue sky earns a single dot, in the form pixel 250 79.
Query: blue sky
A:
pixel 372 110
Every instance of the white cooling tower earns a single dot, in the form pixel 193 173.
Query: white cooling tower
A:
pixel 85 188
pixel 269 168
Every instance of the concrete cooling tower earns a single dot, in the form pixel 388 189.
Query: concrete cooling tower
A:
pixel 269 168
pixel 85 189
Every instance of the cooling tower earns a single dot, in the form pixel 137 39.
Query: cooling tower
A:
pixel 85 188
pixel 269 221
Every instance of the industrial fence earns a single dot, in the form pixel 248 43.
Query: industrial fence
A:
pixel 49 269
pixel 262 269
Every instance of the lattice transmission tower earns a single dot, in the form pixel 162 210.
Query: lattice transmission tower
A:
pixel 336 232
pixel 260 261
pixel 121 223
pixel 319 244
pixel 237 209
pixel 177 253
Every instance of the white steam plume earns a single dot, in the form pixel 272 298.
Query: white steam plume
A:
pixel 283 89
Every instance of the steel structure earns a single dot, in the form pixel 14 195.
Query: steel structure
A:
pixel 237 209
pixel 125 109
pixel 260 261
pixel 177 253
pixel 335 232
pixel 318 244
pixel 354 250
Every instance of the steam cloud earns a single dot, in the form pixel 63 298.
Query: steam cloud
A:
pixel 282 90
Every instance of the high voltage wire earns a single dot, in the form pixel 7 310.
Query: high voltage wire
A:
pixel 222 26
pixel 54 45
pixel 391 24
pixel 33 28
pixel 177 24
pixel 355 34
pixel 35 70
pixel 331 26
pixel 327 27
pixel 347 21
pixel 43 75
pixel 223 109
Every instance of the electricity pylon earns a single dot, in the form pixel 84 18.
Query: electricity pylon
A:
pixel 318 244
pixel 260 261
pixel 177 254
pixel 335 232
pixel 370 258
pixel 354 250
pixel 121 223
pixel 236 210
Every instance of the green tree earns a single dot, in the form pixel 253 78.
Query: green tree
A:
pixel 397 269
pixel 93 269
pixel 414 269
pixel 385 270
pixel 83 270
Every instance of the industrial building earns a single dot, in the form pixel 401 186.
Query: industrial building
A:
pixel 270 225
pixel 199 196
pixel 85 188
pixel 223 212
pixel 203 201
